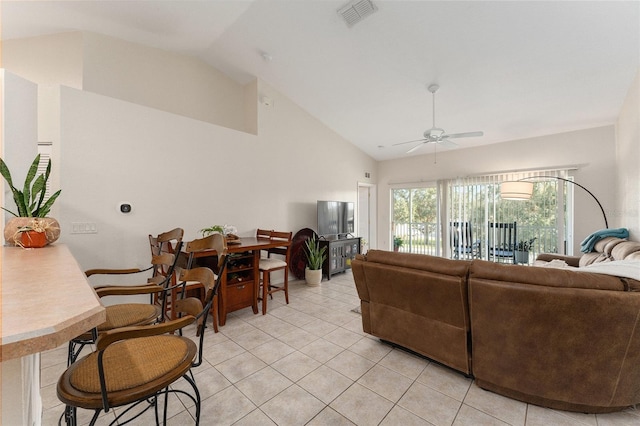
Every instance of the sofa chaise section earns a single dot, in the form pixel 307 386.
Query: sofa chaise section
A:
pixel 557 338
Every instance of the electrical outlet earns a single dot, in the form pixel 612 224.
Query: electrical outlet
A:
pixel 84 228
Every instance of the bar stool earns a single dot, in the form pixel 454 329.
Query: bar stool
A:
pixel 271 264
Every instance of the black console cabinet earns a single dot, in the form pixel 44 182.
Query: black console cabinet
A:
pixel 340 253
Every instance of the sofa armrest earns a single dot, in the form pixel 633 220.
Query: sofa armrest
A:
pixel 570 260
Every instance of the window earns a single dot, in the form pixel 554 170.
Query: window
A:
pixel 542 220
pixel 414 219
pixel 458 225
pixel 44 149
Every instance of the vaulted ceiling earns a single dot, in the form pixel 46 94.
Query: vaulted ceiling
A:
pixel 510 69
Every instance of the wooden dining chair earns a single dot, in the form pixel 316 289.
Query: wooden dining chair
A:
pixel 136 366
pixel 277 259
pixel 165 242
pixel 215 242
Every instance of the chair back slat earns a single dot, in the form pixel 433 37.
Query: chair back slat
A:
pixel 264 233
pixel 501 241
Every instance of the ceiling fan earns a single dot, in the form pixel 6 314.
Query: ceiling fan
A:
pixel 435 134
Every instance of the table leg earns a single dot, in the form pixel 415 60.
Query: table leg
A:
pixel 256 279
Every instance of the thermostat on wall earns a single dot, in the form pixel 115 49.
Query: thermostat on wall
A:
pixel 125 208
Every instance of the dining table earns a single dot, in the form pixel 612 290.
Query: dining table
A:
pixel 241 281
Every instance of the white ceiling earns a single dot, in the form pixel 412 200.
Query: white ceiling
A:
pixel 511 69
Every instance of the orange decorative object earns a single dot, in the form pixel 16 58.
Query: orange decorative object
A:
pixel 33 239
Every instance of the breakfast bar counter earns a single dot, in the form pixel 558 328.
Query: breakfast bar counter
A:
pixel 46 300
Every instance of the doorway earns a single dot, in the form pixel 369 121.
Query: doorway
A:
pixel 367 216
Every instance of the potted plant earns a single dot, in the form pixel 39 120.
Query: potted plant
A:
pixel 31 204
pixel 522 250
pixel 397 243
pixel 315 258
pixel 229 231
pixel 33 235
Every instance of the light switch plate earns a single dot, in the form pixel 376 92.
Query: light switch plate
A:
pixel 84 228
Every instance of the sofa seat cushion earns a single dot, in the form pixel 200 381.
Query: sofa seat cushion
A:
pixel 619 268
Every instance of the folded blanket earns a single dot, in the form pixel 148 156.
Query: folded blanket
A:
pixel 587 245
pixel 619 268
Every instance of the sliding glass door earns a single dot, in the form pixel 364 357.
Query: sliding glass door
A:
pixel 463 224
pixel 414 220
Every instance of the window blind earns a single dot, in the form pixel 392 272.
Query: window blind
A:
pixel 475 201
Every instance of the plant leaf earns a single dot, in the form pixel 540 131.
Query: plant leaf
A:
pixel 31 174
pixel 44 210
pixel 38 191
pixel 46 178
pixel 9 211
pixel 18 197
pixel 6 174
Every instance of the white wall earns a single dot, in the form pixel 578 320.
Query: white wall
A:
pixel 627 213
pixel 47 60
pixel 20 401
pixel 153 77
pixel 176 171
pixel 592 150
pixel 19 132
pixel 160 79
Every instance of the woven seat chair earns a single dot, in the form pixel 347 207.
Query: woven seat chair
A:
pixel 210 242
pixel 270 264
pixel 136 365
pixel 163 263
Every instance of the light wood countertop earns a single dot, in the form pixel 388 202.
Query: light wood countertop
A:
pixel 46 300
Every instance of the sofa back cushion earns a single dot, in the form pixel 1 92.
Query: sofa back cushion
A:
pixel 547 277
pixel 428 286
pixel 611 248
pixel 418 302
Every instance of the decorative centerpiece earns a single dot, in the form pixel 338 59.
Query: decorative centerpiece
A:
pixel 31 218
pixel 315 258
pixel 33 235
pixel 229 231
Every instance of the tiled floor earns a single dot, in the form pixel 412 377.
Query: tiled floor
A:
pixel 308 363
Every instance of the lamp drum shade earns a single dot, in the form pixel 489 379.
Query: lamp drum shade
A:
pixel 516 190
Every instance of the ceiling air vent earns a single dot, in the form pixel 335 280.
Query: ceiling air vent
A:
pixel 356 11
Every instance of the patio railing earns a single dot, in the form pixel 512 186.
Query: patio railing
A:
pixel 423 238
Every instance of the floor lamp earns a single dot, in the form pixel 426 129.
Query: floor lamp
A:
pixel 523 190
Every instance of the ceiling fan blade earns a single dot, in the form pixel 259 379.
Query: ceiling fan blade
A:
pixel 417 140
pixel 445 142
pixel 415 148
pixel 465 135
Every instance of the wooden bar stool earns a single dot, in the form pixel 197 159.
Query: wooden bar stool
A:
pixel 270 264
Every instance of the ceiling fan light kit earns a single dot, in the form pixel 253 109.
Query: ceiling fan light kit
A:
pixel 435 134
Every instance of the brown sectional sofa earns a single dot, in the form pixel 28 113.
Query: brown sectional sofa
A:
pixel 554 337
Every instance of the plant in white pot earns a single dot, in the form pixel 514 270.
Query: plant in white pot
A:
pixel 31 204
pixel 522 250
pixel 315 258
